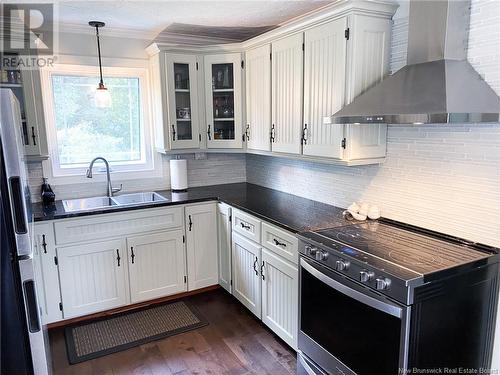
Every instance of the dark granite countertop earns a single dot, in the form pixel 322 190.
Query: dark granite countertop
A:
pixel 288 211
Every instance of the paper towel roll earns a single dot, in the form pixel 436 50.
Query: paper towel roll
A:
pixel 178 175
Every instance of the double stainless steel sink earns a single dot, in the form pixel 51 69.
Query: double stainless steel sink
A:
pixel 93 203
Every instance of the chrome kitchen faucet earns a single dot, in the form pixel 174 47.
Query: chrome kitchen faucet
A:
pixel 111 189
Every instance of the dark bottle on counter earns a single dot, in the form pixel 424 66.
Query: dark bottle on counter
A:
pixel 48 196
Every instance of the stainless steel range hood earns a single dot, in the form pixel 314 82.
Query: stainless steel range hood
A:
pixel 438 85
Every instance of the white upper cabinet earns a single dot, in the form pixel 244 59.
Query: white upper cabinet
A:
pixel 324 88
pixel 258 98
pixel 182 96
pixel 26 85
pixel 370 39
pixel 369 46
pixel 223 102
pixel 287 90
pixel 296 77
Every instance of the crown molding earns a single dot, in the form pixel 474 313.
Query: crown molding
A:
pixel 339 8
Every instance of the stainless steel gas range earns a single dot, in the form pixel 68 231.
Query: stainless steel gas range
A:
pixel 385 298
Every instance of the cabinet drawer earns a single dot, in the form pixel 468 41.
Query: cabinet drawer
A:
pixel 90 228
pixel 280 242
pixel 246 225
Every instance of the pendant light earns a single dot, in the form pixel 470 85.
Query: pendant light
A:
pixel 102 97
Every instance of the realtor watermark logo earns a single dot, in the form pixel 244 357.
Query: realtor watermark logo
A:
pixel 29 35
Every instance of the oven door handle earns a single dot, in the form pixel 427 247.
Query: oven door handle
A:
pixel 307 367
pixel 385 307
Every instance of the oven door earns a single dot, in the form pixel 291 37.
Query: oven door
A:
pixel 346 328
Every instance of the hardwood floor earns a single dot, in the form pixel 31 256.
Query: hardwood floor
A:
pixel 234 343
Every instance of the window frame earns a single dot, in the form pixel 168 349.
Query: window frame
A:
pixel 151 167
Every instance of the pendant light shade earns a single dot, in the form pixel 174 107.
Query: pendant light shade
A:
pixel 102 97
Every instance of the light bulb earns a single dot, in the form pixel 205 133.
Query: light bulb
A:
pixel 102 97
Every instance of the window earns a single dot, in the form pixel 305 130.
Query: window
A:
pixel 78 131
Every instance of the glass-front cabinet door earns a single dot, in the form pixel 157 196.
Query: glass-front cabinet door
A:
pixel 183 101
pixel 25 84
pixel 223 100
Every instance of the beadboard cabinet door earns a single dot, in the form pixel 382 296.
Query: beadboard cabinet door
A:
pixel 280 288
pixel 224 244
pixel 369 51
pixel 258 98
pixel 201 241
pixel 324 88
pixel 156 264
pixel 287 91
pixel 246 274
pixel 47 275
pixel 94 277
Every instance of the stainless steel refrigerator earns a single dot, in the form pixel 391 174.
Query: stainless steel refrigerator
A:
pixel 24 344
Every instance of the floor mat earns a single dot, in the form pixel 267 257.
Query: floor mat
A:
pixel 85 341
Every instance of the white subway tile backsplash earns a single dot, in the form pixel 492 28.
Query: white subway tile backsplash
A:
pixel 425 180
pixel 214 169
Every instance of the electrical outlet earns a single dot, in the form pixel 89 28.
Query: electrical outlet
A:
pixel 200 156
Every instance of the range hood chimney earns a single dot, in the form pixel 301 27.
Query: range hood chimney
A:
pixel 438 85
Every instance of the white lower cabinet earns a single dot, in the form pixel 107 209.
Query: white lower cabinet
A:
pixel 246 274
pixel 265 280
pixel 46 275
pixel 224 245
pixel 156 264
pixel 201 241
pixel 93 277
pixel 280 289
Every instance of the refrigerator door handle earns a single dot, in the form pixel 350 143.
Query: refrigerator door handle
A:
pixel 36 331
pixel 31 306
pixel 16 201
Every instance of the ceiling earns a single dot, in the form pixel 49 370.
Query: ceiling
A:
pixel 147 19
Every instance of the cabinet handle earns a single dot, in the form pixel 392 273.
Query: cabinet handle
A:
pixel 244 226
pixel 262 270
pixel 33 135
pixel 118 257
pixel 190 223
pixel 247 132
pixel 173 132
pixel 272 133
pixel 209 133
pixel 304 135
pixel 132 256
pixel 44 244
pixel 255 266
pixel 277 243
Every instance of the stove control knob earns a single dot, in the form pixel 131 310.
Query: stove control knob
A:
pixel 311 250
pixel 342 265
pixel 382 283
pixel 321 255
pixel 365 276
